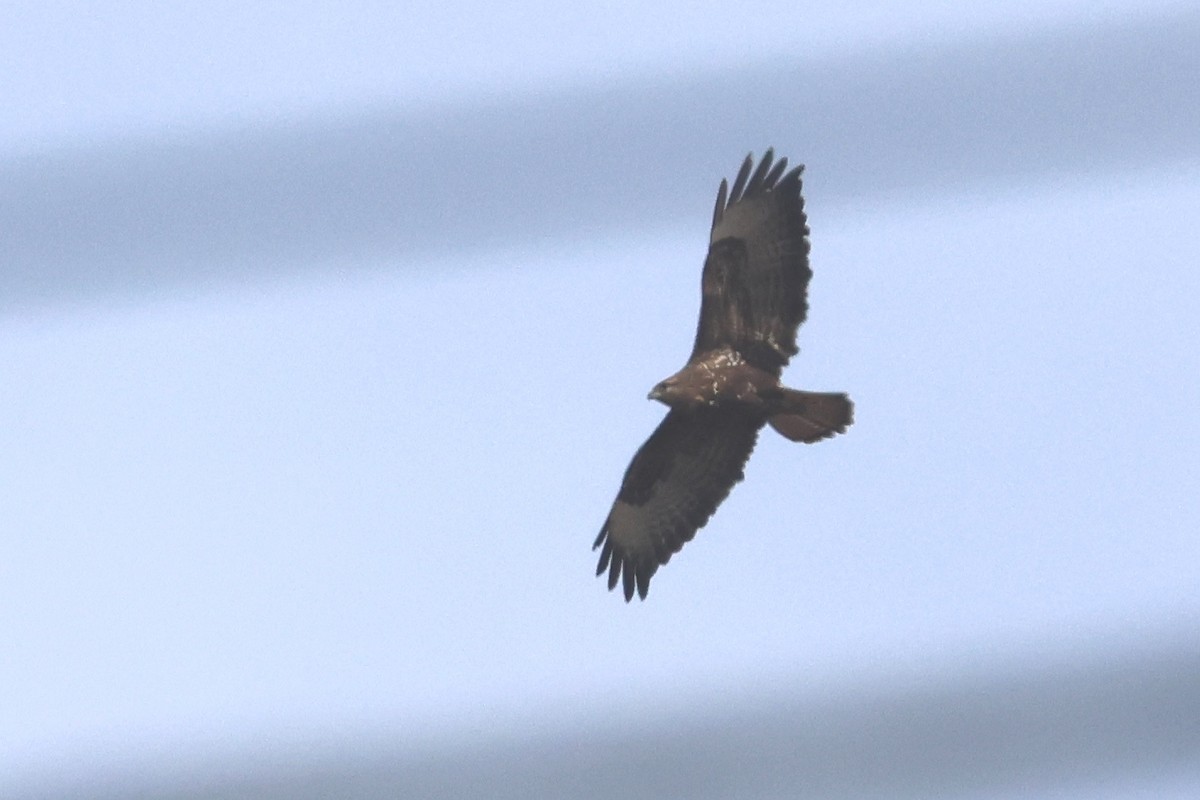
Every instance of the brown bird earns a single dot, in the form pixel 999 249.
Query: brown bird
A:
pixel 754 297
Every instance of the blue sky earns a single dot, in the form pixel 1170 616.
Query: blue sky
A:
pixel 262 494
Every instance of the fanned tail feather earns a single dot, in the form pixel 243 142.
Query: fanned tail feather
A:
pixel 812 416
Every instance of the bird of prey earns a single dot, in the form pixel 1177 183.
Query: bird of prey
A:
pixel 754 297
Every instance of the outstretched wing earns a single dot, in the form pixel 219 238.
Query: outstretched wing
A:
pixel 673 485
pixel 755 284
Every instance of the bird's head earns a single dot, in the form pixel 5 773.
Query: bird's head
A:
pixel 663 391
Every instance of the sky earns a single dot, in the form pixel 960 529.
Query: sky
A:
pixel 306 446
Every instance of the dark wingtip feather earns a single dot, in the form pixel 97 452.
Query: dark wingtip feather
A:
pixel 628 575
pixel 739 183
pixel 643 582
pixel 605 557
pixel 633 578
pixel 792 178
pixel 773 175
pixel 756 180
pixel 751 180
pixel 722 196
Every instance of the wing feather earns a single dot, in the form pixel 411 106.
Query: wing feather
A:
pixel 672 487
pixel 756 180
pixel 755 281
pixel 739 182
pixel 722 196
pixel 776 171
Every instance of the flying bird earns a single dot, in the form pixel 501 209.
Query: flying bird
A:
pixel 754 297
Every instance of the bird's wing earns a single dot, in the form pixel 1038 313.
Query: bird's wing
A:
pixel 673 485
pixel 755 283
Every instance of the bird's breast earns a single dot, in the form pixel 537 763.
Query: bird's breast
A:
pixel 721 378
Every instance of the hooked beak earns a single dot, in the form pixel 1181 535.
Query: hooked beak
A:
pixel 656 393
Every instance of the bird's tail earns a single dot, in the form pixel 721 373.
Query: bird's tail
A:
pixel 812 416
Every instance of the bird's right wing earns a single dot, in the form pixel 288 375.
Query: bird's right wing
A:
pixel 673 485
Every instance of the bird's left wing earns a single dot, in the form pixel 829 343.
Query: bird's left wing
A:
pixel 673 485
pixel 756 274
